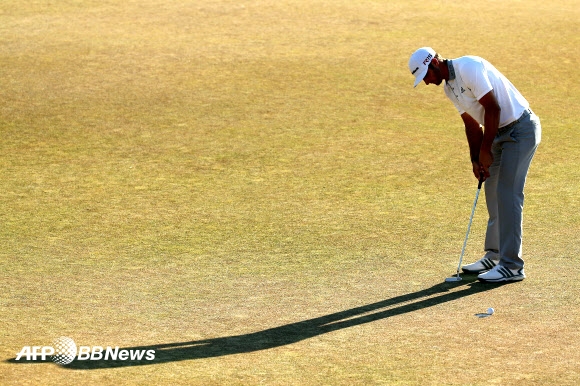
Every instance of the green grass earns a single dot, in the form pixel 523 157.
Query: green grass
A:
pixel 244 174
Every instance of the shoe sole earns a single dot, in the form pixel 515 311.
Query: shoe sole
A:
pixel 503 279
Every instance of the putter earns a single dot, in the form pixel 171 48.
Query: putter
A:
pixel 457 277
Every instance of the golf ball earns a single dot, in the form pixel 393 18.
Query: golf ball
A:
pixel 490 311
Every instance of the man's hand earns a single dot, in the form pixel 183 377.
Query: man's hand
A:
pixel 485 161
pixel 476 169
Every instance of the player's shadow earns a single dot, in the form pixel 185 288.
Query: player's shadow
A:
pixel 294 332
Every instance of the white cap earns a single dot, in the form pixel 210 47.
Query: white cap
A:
pixel 419 63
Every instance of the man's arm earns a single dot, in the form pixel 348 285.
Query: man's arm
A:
pixel 491 124
pixel 474 134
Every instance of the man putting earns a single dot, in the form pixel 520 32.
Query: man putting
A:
pixel 503 134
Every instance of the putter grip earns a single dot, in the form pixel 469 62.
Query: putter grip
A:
pixel 480 182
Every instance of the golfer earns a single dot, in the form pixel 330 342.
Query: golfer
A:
pixel 503 134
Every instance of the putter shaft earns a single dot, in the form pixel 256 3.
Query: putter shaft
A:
pixel 469 226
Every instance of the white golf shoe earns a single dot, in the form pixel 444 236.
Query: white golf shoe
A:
pixel 482 265
pixel 499 273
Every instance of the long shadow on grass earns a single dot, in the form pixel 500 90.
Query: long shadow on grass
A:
pixel 295 332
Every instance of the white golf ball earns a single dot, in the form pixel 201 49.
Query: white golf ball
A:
pixel 490 311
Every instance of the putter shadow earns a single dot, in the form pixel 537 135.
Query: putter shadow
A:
pixel 293 332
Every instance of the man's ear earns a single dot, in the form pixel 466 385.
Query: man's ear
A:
pixel 434 62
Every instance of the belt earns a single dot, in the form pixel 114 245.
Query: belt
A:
pixel 510 125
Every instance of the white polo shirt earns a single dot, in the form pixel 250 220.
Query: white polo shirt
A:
pixel 470 78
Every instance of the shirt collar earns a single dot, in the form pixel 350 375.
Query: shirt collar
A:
pixel 451 69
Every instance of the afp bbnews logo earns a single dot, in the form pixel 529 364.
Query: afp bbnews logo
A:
pixel 64 350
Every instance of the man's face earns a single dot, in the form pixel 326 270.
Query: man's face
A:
pixel 433 75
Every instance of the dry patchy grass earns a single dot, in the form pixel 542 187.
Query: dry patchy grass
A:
pixel 256 190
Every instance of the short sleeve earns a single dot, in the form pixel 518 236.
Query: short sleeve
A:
pixel 476 78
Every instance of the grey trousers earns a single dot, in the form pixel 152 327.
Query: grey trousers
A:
pixel 513 150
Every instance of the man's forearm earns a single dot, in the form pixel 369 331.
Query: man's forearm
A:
pixel 491 120
pixel 491 126
pixel 474 134
pixel 474 139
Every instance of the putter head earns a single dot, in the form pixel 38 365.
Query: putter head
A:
pixel 453 279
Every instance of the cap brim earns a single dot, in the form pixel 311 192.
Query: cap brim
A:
pixel 420 75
